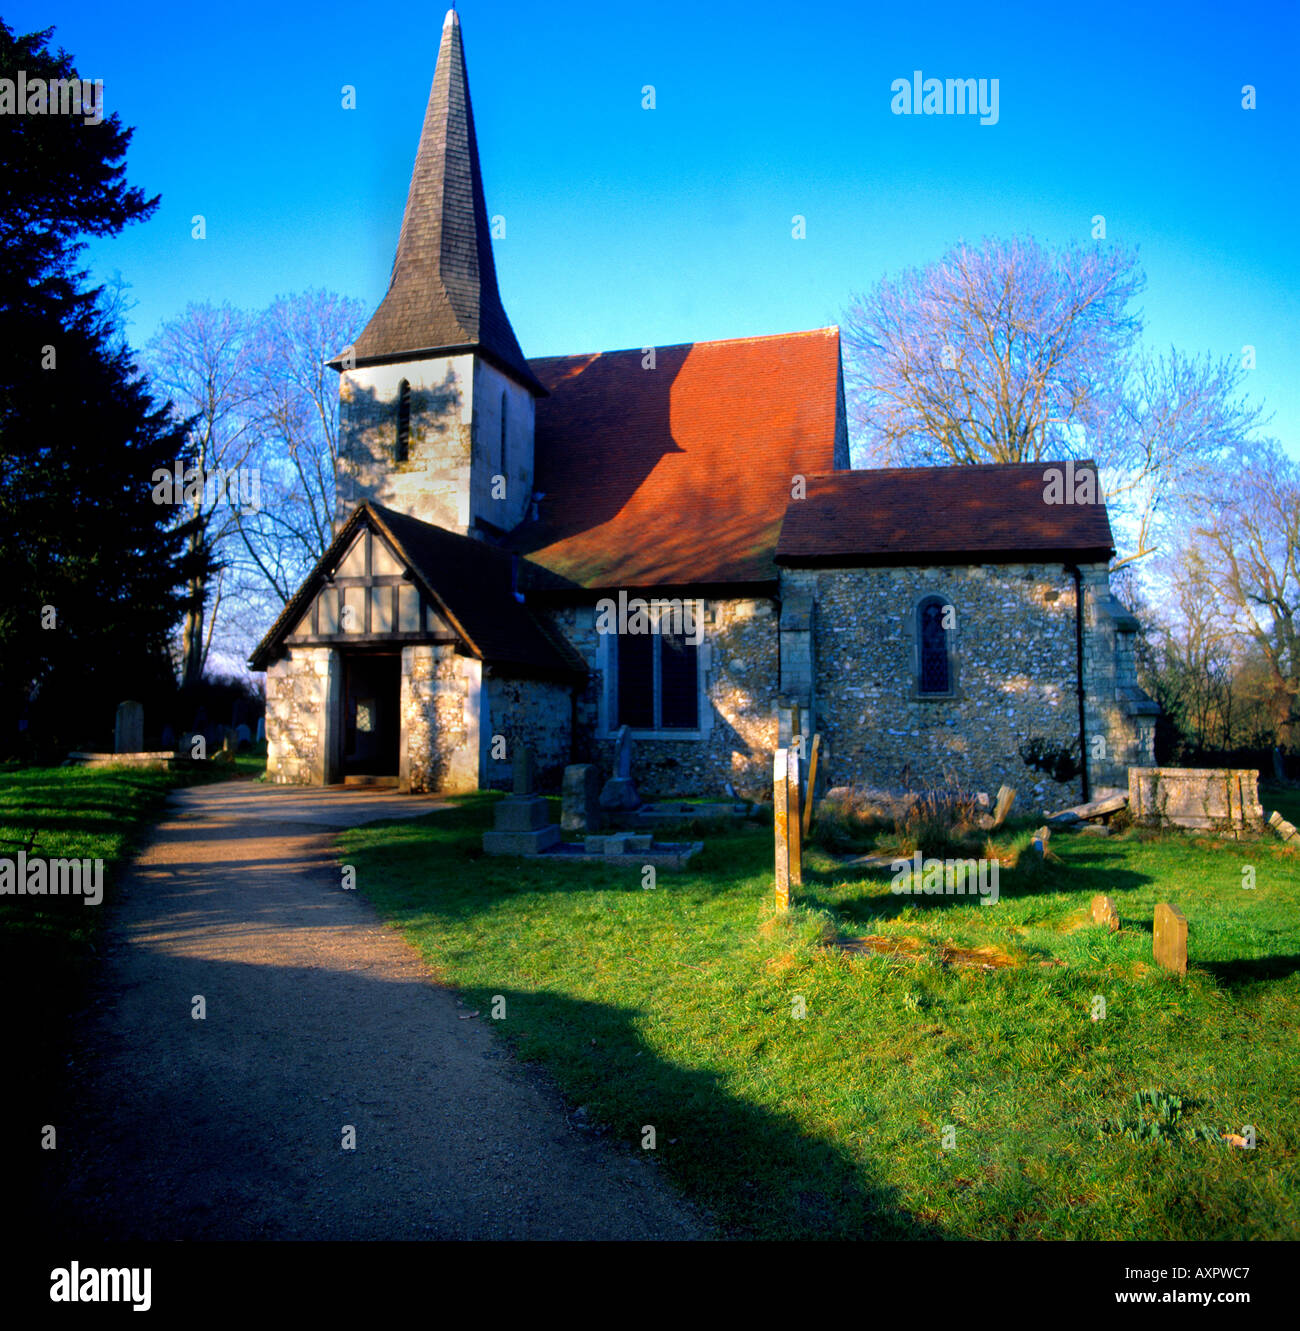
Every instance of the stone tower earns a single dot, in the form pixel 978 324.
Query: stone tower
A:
pixel 436 398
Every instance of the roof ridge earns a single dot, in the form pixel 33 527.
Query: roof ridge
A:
pixel 674 346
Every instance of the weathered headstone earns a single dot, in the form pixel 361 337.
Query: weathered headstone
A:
pixel 1170 938
pixel 781 825
pixel 243 736
pixel 1284 829
pixel 992 822
pixel 128 733
pixel 522 821
pixel 580 810
pixel 811 785
pixel 794 807
pixel 1105 912
pixel 261 729
pixel 619 794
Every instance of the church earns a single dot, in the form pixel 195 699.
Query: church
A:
pixel 933 625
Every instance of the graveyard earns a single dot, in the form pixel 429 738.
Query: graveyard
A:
pixel 867 1063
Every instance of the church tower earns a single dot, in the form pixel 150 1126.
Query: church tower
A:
pixel 436 398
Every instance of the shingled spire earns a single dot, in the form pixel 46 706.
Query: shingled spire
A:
pixel 442 295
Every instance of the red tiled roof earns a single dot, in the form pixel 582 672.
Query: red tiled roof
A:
pixel 678 475
pixel 889 515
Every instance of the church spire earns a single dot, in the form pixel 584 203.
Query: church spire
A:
pixel 442 295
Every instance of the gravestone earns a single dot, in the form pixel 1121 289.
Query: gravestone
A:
pixel 811 784
pixel 1105 912
pixel 781 825
pixel 619 794
pixel 1169 938
pixel 243 736
pixel 523 771
pixel 793 805
pixel 522 821
pixel 261 729
pixel 1284 829
pixel 580 810
pixel 128 733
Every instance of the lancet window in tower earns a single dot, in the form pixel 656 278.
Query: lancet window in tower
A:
pixel 402 445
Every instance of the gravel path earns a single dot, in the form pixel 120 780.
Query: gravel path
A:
pixel 318 1016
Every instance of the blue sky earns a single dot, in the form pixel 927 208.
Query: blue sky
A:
pixel 627 227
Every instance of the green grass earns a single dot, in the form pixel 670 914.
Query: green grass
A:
pixel 673 1007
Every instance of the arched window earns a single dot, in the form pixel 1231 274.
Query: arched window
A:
pixel 403 443
pixel 933 655
pixel 501 461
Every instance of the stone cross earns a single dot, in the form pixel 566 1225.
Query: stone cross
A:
pixel 523 770
pixel 128 734
pixel 1170 938
pixel 623 753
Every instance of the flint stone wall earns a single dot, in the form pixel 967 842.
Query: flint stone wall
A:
pixel 297 695
pixel 1202 798
pixel 1015 657
pixel 535 713
pixel 440 719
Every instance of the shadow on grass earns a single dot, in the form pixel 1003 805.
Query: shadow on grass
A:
pixel 1243 972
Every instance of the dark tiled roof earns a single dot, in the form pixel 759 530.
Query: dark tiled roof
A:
pixel 443 291
pixel 949 514
pixel 679 475
pixel 470 582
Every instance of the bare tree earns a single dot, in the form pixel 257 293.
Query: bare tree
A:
pixel 297 417
pixel 1011 352
pixel 201 359
pixel 1248 521
pixel 263 445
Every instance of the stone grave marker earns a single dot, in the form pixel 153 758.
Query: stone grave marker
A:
pixel 524 775
pixel 522 821
pixel 1169 938
pixel 128 733
pixel 1105 912
pixel 781 826
pixel 793 805
pixel 811 786
pixel 619 794
pixel 243 736
pixel 261 729
pixel 580 811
